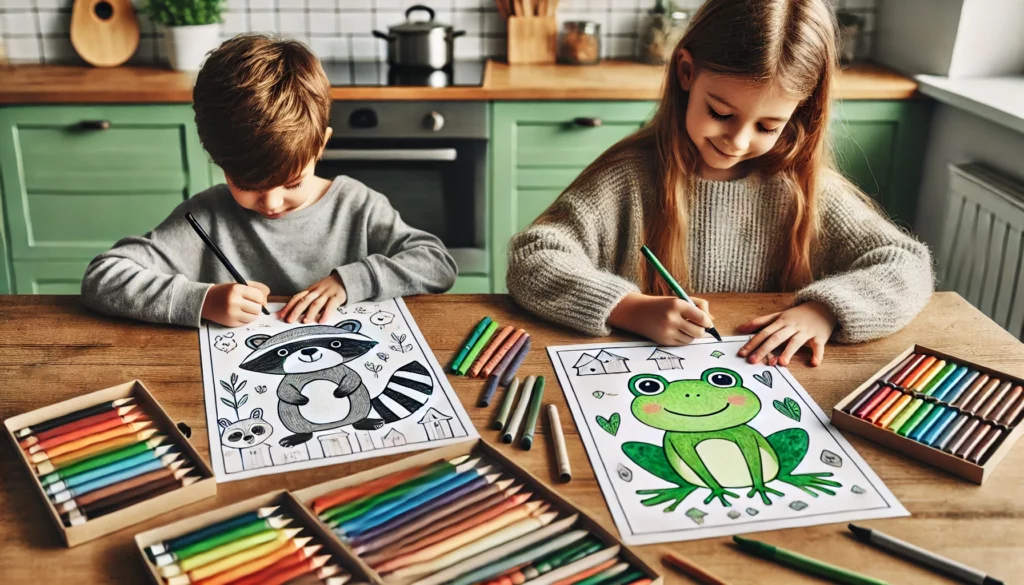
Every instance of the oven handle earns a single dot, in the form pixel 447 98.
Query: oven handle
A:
pixel 401 154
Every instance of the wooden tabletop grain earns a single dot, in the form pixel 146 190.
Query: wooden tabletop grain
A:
pixel 53 348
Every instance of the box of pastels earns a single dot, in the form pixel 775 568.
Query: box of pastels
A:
pixel 944 410
pixel 267 540
pixel 466 514
pixel 108 459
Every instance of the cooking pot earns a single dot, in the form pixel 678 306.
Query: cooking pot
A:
pixel 422 44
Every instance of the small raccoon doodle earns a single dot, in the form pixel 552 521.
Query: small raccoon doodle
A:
pixel 225 342
pixel 318 353
pixel 382 318
pixel 245 433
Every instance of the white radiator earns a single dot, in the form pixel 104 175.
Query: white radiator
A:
pixel 982 246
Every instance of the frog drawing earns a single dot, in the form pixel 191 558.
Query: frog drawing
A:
pixel 708 443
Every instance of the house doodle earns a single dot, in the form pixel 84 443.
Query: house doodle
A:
pixel 603 362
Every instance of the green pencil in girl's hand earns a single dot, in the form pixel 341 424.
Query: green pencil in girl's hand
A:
pixel 673 284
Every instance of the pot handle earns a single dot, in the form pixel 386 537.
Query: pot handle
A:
pixel 382 36
pixel 426 9
pixel 458 33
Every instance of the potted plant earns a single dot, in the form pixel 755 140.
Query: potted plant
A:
pixel 192 29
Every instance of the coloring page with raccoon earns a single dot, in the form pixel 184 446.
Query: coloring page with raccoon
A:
pixel 283 397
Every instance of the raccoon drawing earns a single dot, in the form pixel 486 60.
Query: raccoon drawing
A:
pixel 312 355
pixel 245 433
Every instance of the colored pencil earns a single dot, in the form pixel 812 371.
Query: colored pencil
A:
pixel 226 550
pixel 113 414
pixel 105 459
pixel 150 437
pixel 514 559
pixel 257 526
pixel 517 361
pixel 167 461
pixel 606 575
pixel 502 366
pixel 129 497
pixel 574 568
pixel 179 542
pixel 691 570
pixel 477 348
pixel 259 563
pixel 470 342
pixel 128 430
pixel 531 416
pixel 346 495
pixel 115 467
pixel 99 495
pixel 296 558
pixel 485 356
pixel 558 438
pixel 468 562
pixel 592 571
pixel 561 557
pixel 489 390
pixel 624 578
pixel 517 417
pixel 502 351
pixel 921 556
pixel 198 227
pixel 240 558
pixel 72 417
pixel 506 405
pixel 804 563
pixel 672 284
pixel 329 575
pixel 34 445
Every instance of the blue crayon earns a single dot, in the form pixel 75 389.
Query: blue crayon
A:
pixel 938 431
pixel 952 394
pixel 950 382
pixel 922 428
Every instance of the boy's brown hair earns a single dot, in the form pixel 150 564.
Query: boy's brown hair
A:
pixel 262 108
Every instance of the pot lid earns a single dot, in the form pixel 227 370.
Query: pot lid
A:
pixel 417 26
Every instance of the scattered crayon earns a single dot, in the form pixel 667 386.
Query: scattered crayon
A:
pixel 506 406
pixel 513 366
pixel 485 356
pixel 489 390
pixel 499 355
pixel 72 417
pixel 477 348
pixel 512 429
pixel 510 356
pixel 804 563
pixel 561 452
pixel 470 342
pixel 531 416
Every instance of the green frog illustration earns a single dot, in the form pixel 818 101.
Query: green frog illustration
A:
pixel 708 443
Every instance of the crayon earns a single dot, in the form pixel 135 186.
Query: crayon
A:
pixel 692 570
pixel 921 431
pixel 866 396
pixel 81 423
pixel 513 366
pixel 933 434
pixel 889 408
pixel 34 445
pixel 905 370
pixel 296 558
pixel 226 550
pixel 258 564
pixel 118 477
pixel 485 356
pixel 977 433
pixel 560 558
pixel 101 460
pixel 944 428
pixel 921 556
pixel 625 578
pixel 953 393
pixel 470 342
pixel 918 408
pixel 129 497
pixel 477 348
pixel 91 498
pixel 531 417
pixel 499 355
pixel 512 429
pixel 257 526
pixel 173 544
pixel 346 495
pixel 980 453
pixel 605 556
pixel 969 435
pixel 520 557
pixel 672 284
pixel 329 575
pixel 241 557
pixel 1007 405
pixel 561 452
pixel 72 417
pixel 898 414
pixel 951 381
pixel 932 415
pixel 510 355
pixel 128 430
pixel 873 402
pixel 972 397
pixel 489 389
pixel 915 374
pixel 803 563
pixel 198 227
pixel 506 406
pixel 595 570
pixel 938 371
pixel 115 467
pixel 148 436
pixel 950 430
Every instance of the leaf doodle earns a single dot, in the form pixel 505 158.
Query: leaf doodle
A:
pixel 610 424
pixel 696 515
pixel 400 341
pixel 261 389
pixel 717 354
pixel 233 389
pixel 764 378
pixel 375 368
pixel 383 356
pixel 788 408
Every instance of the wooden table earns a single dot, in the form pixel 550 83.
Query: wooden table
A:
pixel 53 349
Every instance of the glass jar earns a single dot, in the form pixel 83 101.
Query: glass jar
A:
pixel 579 43
pixel 660 34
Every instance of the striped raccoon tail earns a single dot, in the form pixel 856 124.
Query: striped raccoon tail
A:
pixel 408 389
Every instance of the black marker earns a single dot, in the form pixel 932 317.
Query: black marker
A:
pixel 220 255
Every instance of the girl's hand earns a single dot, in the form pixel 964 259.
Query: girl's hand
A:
pixel 808 324
pixel 319 301
pixel 664 320
pixel 233 305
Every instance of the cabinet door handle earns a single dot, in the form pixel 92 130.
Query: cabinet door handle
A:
pixel 94 125
pixel 587 122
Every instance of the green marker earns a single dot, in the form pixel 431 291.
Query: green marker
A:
pixel 477 332
pixel 478 347
pixel 673 284
pixel 805 564
pixel 531 416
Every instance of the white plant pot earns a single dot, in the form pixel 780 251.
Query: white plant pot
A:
pixel 187 46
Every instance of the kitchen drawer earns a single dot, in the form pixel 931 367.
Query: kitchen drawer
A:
pixel 71 191
pixel 49 277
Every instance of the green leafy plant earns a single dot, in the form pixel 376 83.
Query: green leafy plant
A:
pixel 185 12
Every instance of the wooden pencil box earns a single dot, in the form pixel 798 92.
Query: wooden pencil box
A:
pixel 477 448
pixel 961 467
pixel 74 535
pixel 287 504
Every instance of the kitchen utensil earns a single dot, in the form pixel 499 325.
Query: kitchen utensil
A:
pixel 532 39
pixel 424 44
pixel 104 33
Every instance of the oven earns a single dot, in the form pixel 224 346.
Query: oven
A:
pixel 429 159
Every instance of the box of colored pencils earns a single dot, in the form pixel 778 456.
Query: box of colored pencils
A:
pixel 464 515
pixel 267 540
pixel 944 410
pixel 107 460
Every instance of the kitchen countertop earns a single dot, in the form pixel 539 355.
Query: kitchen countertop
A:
pixel 611 80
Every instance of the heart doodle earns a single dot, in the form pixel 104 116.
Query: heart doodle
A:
pixel 765 378
pixel 610 424
pixel 788 408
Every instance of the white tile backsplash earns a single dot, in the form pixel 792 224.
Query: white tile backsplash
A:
pixel 262 22
pixel 18 24
pixel 323 22
pixel 355 23
pixel 23 50
pixel 292 23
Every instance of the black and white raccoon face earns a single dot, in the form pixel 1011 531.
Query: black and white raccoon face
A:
pixel 306 349
pixel 247 432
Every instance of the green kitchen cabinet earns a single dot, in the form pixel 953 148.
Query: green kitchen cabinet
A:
pixel 76 179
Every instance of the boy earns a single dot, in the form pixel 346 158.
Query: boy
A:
pixel 262 108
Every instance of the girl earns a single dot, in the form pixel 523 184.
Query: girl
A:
pixel 732 186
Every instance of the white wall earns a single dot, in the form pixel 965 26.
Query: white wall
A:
pixel 957 137
pixel 990 39
pixel 917 36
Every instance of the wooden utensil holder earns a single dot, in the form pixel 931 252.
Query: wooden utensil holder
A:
pixel 532 39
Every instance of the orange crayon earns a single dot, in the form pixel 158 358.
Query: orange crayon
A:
pixel 75 425
pixel 894 410
pixel 919 371
pixel 246 570
pixel 492 347
pixel 94 429
pixel 345 495
pixel 73 457
pixel 130 429
pixel 496 358
pixel 928 375
pixel 879 410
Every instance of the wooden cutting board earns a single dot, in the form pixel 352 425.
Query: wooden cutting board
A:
pixel 105 33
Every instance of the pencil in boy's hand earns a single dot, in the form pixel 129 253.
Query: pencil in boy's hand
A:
pixel 673 284
pixel 216 251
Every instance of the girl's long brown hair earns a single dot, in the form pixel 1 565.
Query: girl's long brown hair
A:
pixel 788 42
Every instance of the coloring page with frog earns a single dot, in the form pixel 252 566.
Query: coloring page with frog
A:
pixel 693 442
pixel 283 397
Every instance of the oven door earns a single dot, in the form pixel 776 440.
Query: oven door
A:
pixel 437 185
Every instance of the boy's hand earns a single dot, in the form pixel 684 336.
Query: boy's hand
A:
pixel 319 301
pixel 233 305
pixel 809 324
pixel 665 320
